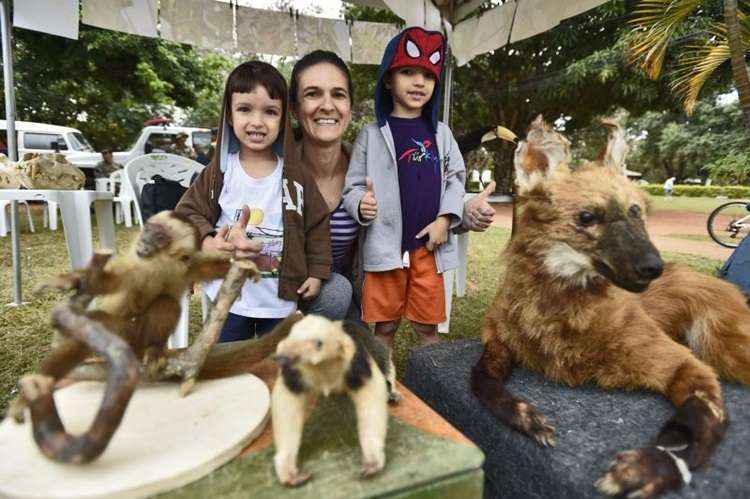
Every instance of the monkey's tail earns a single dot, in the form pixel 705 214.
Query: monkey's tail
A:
pixel 227 359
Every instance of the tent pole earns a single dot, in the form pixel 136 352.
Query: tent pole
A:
pixel 11 137
pixel 448 89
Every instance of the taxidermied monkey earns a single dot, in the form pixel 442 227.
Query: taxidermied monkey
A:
pixel 587 298
pixel 137 307
pixel 321 356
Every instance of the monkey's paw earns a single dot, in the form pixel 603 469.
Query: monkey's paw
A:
pixel 36 386
pixel 16 409
pixel 154 363
pixel 369 468
pixel 643 473
pixel 394 396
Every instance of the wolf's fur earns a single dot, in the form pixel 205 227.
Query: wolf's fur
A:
pixel 321 356
pixel 580 301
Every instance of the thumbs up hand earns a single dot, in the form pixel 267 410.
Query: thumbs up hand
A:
pixel 478 214
pixel 368 205
pixel 244 247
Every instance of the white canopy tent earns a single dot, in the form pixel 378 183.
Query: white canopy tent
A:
pixel 231 25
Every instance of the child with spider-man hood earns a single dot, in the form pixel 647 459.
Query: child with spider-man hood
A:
pixel 405 183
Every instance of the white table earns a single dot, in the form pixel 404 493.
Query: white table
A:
pixel 75 207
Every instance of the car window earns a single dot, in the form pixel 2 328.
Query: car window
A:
pixel 201 139
pixel 43 141
pixel 79 143
pixel 160 142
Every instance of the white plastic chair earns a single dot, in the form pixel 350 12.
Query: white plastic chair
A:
pixel 123 200
pixel 140 171
pixel 5 217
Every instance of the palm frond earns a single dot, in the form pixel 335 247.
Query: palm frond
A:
pixel 654 22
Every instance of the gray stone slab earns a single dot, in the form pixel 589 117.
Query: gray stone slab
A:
pixel 592 426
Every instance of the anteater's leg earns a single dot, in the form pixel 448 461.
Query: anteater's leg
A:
pixel 488 384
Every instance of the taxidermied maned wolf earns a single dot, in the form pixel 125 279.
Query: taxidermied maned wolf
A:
pixel 586 298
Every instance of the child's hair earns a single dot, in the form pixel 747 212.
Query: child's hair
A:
pixel 318 57
pixel 248 75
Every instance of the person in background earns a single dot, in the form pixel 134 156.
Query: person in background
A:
pixel 107 165
pixel 180 147
pixel 669 186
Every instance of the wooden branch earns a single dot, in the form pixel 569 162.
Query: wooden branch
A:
pixel 188 363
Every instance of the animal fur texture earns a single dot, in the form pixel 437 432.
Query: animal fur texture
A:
pixel 325 357
pixel 587 298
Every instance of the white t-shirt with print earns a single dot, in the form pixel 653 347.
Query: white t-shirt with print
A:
pixel 264 198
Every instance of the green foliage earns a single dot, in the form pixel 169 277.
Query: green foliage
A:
pixel 669 143
pixel 698 191
pixel 734 168
pixel 108 83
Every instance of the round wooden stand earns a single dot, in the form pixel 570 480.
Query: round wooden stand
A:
pixel 164 441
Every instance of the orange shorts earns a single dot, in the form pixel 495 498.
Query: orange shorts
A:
pixel 416 292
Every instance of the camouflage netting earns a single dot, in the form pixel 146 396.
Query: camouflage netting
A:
pixel 40 171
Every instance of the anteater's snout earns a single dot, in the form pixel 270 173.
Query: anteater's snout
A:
pixel 650 267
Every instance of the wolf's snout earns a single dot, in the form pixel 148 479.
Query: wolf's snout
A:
pixel 650 267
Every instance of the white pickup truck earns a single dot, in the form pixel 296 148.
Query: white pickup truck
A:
pixel 45 138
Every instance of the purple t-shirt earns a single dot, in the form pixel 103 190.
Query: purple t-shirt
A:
pixel 418 176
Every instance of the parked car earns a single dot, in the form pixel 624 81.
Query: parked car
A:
pixel 160 138
pixel 45 138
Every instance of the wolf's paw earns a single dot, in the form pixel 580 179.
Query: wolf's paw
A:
pixel 643 473
pixel 531 422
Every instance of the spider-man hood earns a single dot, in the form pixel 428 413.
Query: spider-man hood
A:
pixel 412 47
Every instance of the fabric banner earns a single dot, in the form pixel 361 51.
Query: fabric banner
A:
pixel 536 16
pixel 56 17
pixel 137 17
pixel 265 32
pixel 369 41
pixel 205 23
pixel 574 8
pixel 324 34
pixel 480 34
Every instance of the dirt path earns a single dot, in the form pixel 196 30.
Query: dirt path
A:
pixel 663 226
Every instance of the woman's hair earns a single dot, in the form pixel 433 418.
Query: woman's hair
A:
pixel 248 75
pixel 311 59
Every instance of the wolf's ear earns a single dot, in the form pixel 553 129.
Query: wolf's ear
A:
pixel 614 153
pixel 539 156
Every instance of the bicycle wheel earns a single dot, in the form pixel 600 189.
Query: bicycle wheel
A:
pixel 729 223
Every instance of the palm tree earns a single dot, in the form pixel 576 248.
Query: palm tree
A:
pixel 656 24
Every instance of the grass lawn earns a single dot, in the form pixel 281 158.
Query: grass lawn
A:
pixel 25 331
pixel 680 203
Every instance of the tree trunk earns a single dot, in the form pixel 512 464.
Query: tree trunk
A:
pixel 739 68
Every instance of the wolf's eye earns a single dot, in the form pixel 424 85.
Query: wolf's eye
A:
pixel 635 211
pixel 587 218
pixel 318 344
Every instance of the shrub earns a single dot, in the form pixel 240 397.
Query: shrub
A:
pixel 697 191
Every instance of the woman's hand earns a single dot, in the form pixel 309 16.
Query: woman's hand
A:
pixel 437 232
pixel 310 288
pixel 368 205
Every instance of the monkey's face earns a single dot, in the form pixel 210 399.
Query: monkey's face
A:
pixel 165 233
pixel 312 341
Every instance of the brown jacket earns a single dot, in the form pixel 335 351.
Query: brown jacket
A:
pixel 307 244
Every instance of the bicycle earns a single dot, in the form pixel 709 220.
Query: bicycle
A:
pixel 729 223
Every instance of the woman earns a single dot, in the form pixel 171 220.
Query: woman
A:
pixel 321 97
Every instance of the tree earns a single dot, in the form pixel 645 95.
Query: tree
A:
pixel 711 141
pixel 702 36
pixel 108 83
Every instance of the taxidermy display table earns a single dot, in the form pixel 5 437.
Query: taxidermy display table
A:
pixel 426 457
pixel 592 425
pixel 163 442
